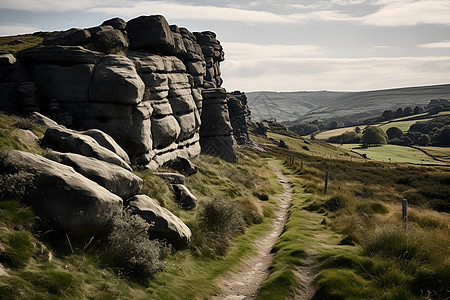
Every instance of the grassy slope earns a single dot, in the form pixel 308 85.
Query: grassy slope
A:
pixel 39 270
pixel 395 153
pixel 15 44
pixel 363 205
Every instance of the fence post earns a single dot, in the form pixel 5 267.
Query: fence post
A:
pixel 301 166
pixel 326 183
pixel 405 211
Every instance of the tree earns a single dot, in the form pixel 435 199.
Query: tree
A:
pixel 357 130
pixel 442 137
pixel 424 140
pixel 394 132
pixel 374 135
pixel 407 111
pixel 387 114
pixel 398 112
pixel 418 110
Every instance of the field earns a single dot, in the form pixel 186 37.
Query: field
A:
pixel 394 153
pixel 403 125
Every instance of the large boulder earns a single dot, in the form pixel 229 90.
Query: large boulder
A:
pixel 63 84
pixel 116 23
pixel 109 40
pixel 71 37
pixel 62 139
pixel 64 197
pixel 60 55
pixel 115 179
pixel 152 33
pixel 166 225
pixel 115 80
pixel 108 142
pixel 184 197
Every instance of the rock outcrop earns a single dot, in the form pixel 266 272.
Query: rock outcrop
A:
pixel 145 83
pixel 239 116
pixel 64 197
pixel 166 225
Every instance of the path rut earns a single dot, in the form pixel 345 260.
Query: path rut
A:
pixel 245 283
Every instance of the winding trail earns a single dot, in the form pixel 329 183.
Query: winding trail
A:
pixel 254 270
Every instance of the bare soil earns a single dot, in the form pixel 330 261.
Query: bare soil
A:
pixel 254 270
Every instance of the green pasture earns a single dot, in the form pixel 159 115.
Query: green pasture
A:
pixel 395 153
pixel 403 125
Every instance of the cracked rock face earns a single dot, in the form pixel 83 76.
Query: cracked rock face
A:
pixel 143 82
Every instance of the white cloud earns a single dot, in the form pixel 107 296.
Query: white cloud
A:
pixel 409 13
pixel 7 29
pixel 48 5
pixel 244 51
pixel 193 12
pixel 349 74
pixel 444 44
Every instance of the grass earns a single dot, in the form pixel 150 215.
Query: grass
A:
pixel 439 153
pixel 395 153
pixel 15 44
pixel 387 261
pixel 403 125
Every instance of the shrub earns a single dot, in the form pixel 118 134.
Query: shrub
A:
pixel 218 221
pixel 394 132
pixel 130 249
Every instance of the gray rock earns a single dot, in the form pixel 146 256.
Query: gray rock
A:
pixel 165 131
pixel 116 23
pixel 42 120
pixel 146 62
pixel 71 37
pixel 184 197
pixel 63 84
pixel 220 146
pixel 166 225
pixel 7 59
pixel 26 95
pixel 115 80
pixel 180 49
pixel 109 40
pixel 65 140
pixel 115 179
pixel 64 197
pixel 60 55
pixel 172 178
pixel 152 33
pixel 183 165
pixel 108 142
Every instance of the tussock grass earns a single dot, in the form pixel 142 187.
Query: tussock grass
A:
pixel 17 43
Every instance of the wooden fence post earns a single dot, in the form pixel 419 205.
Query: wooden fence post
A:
pixel 405 211
pixel 326 183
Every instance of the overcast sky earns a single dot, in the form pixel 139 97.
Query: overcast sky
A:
pixel 284 45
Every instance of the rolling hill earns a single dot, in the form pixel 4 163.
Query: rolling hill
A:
pixel 296 107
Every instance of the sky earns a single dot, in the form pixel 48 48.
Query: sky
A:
pixel 283 45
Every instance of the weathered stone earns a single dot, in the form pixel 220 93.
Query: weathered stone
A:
pixel 183 165
pixel 220 146
pixel 108 142
pixel 155 82
pixel 166 225
pixel 146 62
pixel 26 95
pixel 60 55
pixel 161 108
pixel 27 137
pixel 115 179
pixel 116 23
pixel 65 140
pixel 184 197
pixel 115 80
pixel 239 116
pixel 172 64
pixel 71 37
pixel 196 67
pixel 180 50
pixel 165 131
pixel 187 124
pixel 64 84
pixel 59 195
pixel 109 40
pixel 172 178
pixel 7 59
pixel 152 33
pixel 42 120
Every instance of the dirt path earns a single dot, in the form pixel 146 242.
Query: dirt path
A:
pixel 245 283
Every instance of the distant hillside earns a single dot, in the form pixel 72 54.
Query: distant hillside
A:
pixel 303 106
